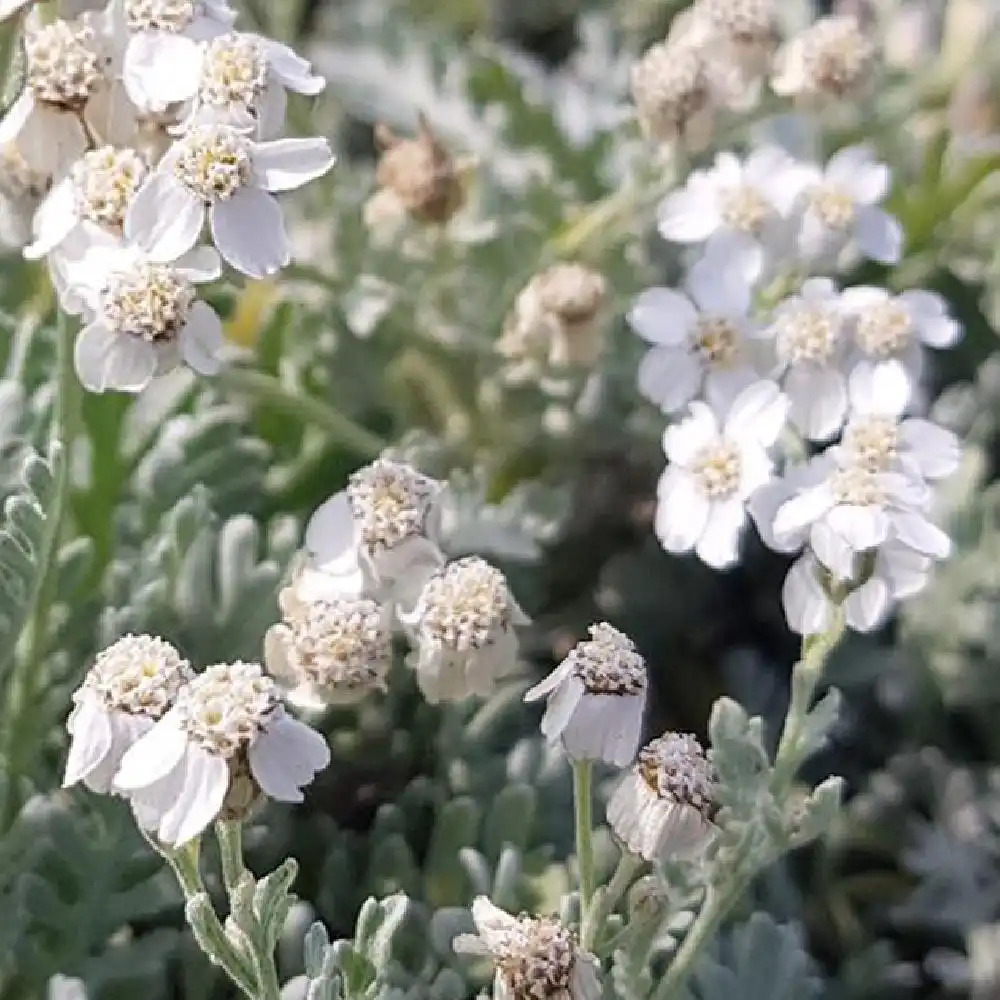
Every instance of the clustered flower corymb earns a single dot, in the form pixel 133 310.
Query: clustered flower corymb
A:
pixel 142 120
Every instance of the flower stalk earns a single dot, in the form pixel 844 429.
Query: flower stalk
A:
pixel 583 771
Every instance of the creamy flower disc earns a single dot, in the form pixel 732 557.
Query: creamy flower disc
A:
pixel 872 442
pixel 884 330
pixel 608 663
pixel 139 674
pixel 745 209
pixel 809 333
pixel 334 651
pixel 718 469
pixel 225 708
pixel 465 605
pixel 151 302
pixel 213 161
pixel 104 182
pixel 159 15
pixel 64 64
pixel 234 71
pixel 835 208
pixel 391 502
pixel 676 768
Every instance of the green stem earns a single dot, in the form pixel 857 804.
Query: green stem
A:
pixel 269 390
pixel 718 903
pixel 583 771
pixel 230 837
pixel 607 897
pixel 212 937
pixel 806 675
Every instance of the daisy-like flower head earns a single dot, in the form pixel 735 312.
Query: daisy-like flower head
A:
pixel 879 439
pixel 330 652
pixel 463 625
pixel 556 319
pixel 841 210
pixel 227 726
pixel 596 698
pixel 749 201
pixel 703 339
pixel 69 82
pixel 887 326
pixel 809 332
pixel 216 170
pixel 833 58
pixel 131 685
pixel 536 958
pixel 234 76
pixel 860 509
pixel 869 585
pixel 715 466
pixel 144 317
pixel 679 88
pixel 665 804
pixel 98 191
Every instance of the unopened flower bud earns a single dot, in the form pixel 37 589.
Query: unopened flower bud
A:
pixel 664 805
pixel 833 59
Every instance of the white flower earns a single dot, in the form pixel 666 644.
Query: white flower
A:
pixel 809 334
pixel 329 652
pixel 841 209
pixel 97 192
pixel 536 958
pixel 8 8
pixel 702 339
pixel 131 685
pixel 749 201
pixel 832 58
pixel 596 698
pixel 877 438
pixel 144 317
pixel 238 77
pixel 877 580
pixel 215 170
pixel 898 326
pixel 70 95
pixel 22 189
pixel 386 525
pixel 162 45
pixel 228 720
pixel 463 626
pixel 664 805
pixel 713 470
pixel 863 508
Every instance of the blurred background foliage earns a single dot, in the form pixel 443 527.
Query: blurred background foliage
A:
pixel 186 507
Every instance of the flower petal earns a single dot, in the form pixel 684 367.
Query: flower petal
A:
pixel 286 757
pixel 206 781
pixel 879 235
pixel 681 512
pixel 202 340
pixel 286 164
pixel 249 231
pixel 165 218
pixel 861 527
pixel 160 69
pixel 329 535
pixel 808 610
pixel 856 171
pixel 797 514
pixel 54 221
pixel 153 757
pixel 719 545
pixel 867 607
pixel 291 69
pixel 663 316
pixel 670 377
pixel 879 389
pixel 914 530
pixel 691 214
pixel 758 414
pixel 91 740
pixel 934 450
pixel 935 326
pixel 818 400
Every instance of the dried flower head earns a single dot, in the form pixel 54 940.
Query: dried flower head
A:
pixel 596 698
pixel 131 685
pixel 665 804
pixel 536 958
pixel 226 740
pixel 330 652
pixel 833 58
pixel 673 94
pixel 422 174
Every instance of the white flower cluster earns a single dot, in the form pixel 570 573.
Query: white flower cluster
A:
pixel 826 372
pixel 186 749
pixel 374 563
pixel 142 119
